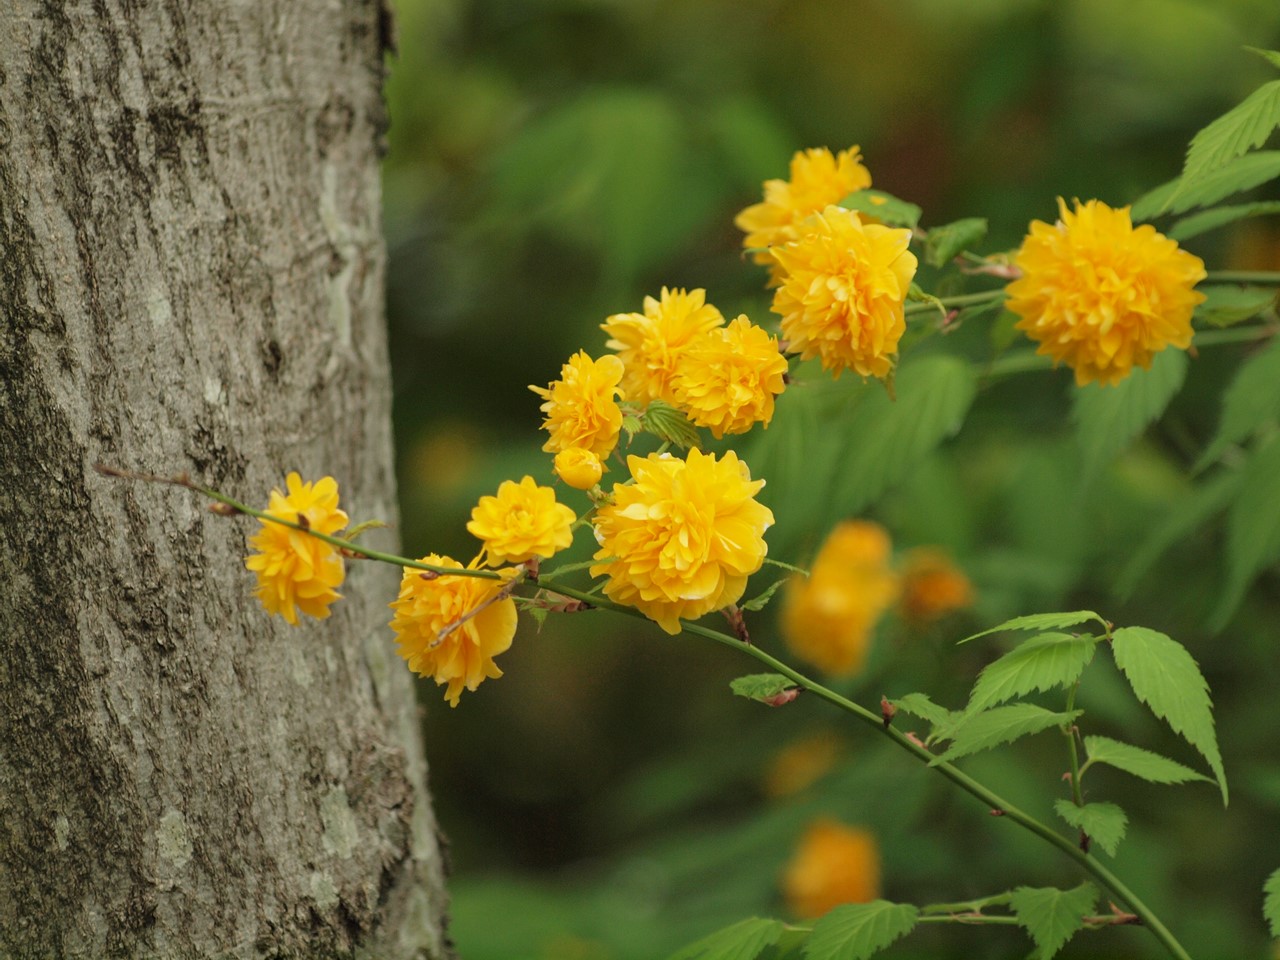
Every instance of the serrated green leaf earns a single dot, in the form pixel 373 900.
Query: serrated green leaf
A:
pixel 786 566
pixel 919 705
pixel 667 423
pixel 761 686
pixel 1040 621
pixel 1252 400
pixel 1104 823
pixel 976 732
pixel 1164 676
pixel 885 207
pixel 1253 527
pixel 761 601
pixel 856 931
pixel 1242 128
pixel 1243 173
pixel 744 940
pixel 885 439
pixel 1108 418
pixel 1199 223
pixel 1041 663
pixel 1184 518
pixel 1271 903
pixel 539 615
pixel 1225 306
pixel 944 243
pixel 1150 766
pixel 1051 916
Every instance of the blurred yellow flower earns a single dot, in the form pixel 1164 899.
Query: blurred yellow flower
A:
pixel 843 294
pixel 522 522
pixel 801 764
pixel 651 344
pixel 1100 295
pixel 828 617
pixel 833 864
pixel 729 378
pixel 581 407
pixel 485 625
pixel 578 467
pixel 296 571
pixel 932 586
pixel 681 540
pixel 818 180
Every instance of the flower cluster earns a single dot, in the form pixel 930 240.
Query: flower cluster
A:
pixel 1101 295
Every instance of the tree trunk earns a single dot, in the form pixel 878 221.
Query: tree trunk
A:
pixel 191 277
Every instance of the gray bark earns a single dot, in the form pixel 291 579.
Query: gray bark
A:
pixel 191 279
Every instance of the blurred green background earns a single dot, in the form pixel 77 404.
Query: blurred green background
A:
pixel 554 161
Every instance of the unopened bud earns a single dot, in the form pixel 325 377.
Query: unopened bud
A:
pixel 782 697
pixel 223 509
pixel 887 711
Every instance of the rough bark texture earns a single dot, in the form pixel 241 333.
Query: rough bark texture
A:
pixel 191 279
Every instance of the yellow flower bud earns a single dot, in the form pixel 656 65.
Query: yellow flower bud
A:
pixel 579 468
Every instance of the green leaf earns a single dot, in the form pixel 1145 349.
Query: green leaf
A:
pixel 1271 903
pixel 1108 418
pixel 1271 56
pixel 786 566
pixel 760 602
pixel 1252 400
pixel 1225 306
pixel 1241 129
pixel 948 241
pixel 761 686
pixel 1243 173
pixel 1139 762
pixel 981 731
pixel 884 439
pixel 856 931
pixel 1164 676
pixel 1253 527
pixel 1183 519
pixel 1104 823
pixel 744 940
pixel 667 423
pixel 885 207
pixel 919 705
pixel 1041 663
pixel 1199 223
pixel 1040 621
pixel 1051 916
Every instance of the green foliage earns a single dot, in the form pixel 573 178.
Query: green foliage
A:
pixel 948 241
pixel 1040 621
pixel 1164 676
pixel 919 705
pixel 1109 419
pixel 1207 220
pixel 741 941
pixel 1139 762
pixel 1225 306
pixel 1243 173
pixel 974 732
pixel 669 424
pixel 761 686
pixel 1253 527
pixel 885 207
pixel 1104 823
pixel 762 600
pixel 1252 400
pixel 1239 130
pixel 1041 663
pixel 1051 916
pixel 857 931
pixel 1271 903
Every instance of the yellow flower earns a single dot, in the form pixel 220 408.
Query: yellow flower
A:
pixel 579 468
pixel 833 864
pixel 522 522
pixel 828 617
pixel 843 295
pixel 729 377
pixel 427 605
pixel 651 344
pixel 817 180
pixel 581 407
pixel 681 540
pixel 296 571
pixel 1100 295
pixel 801 763
pixel 932 586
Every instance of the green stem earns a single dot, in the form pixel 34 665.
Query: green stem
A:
pixel 969 918
pixel 1213 338
pixel 960 300
pixel 1077 794
pixel 1264 277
